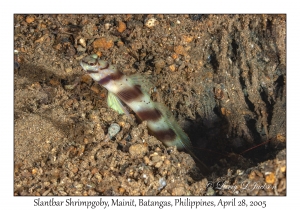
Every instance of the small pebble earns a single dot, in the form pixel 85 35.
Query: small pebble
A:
pixel 113 129
pixel 86 79
pixel 169 60
pixel 146 160
pixel 178 191
pixel 210 191
pixel 138 150
pixel 54 82
pixel 75 170
pixel 30 19
pixel 94 171
pixel 107 26
pixel 252 175
pixel 151 22
pixel 174 56
pixel 82 42
pixel 120 43
pixel 162 183
pixel 95 89
pixel 180 50
pixel 159 64
pixel 68 69
pixel 167 162
pixel 121 190
pixel 103 43
pixel 80 48
pixel 34 171
pixel 121 27
pixel 156 158
pixel 158 165
pixel 187 38
pixel 172 67
pixel 270 179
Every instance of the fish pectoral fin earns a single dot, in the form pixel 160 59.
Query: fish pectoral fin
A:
pixel 116 104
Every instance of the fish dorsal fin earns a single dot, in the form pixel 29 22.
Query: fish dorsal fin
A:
pixel 144 82
pixel 116 104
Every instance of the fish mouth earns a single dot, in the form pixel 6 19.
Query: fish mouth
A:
pixel 91 64
pixel 88 68
pixel 91 71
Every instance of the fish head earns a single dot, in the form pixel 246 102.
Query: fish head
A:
pixel 92 64
pixel 95 67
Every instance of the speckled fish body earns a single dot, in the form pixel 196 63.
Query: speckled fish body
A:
pixel 160 121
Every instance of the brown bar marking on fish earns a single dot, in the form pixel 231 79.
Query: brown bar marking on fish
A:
pixel 115 76
pixel 150 114
pixel 130 94
pixel 165 136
